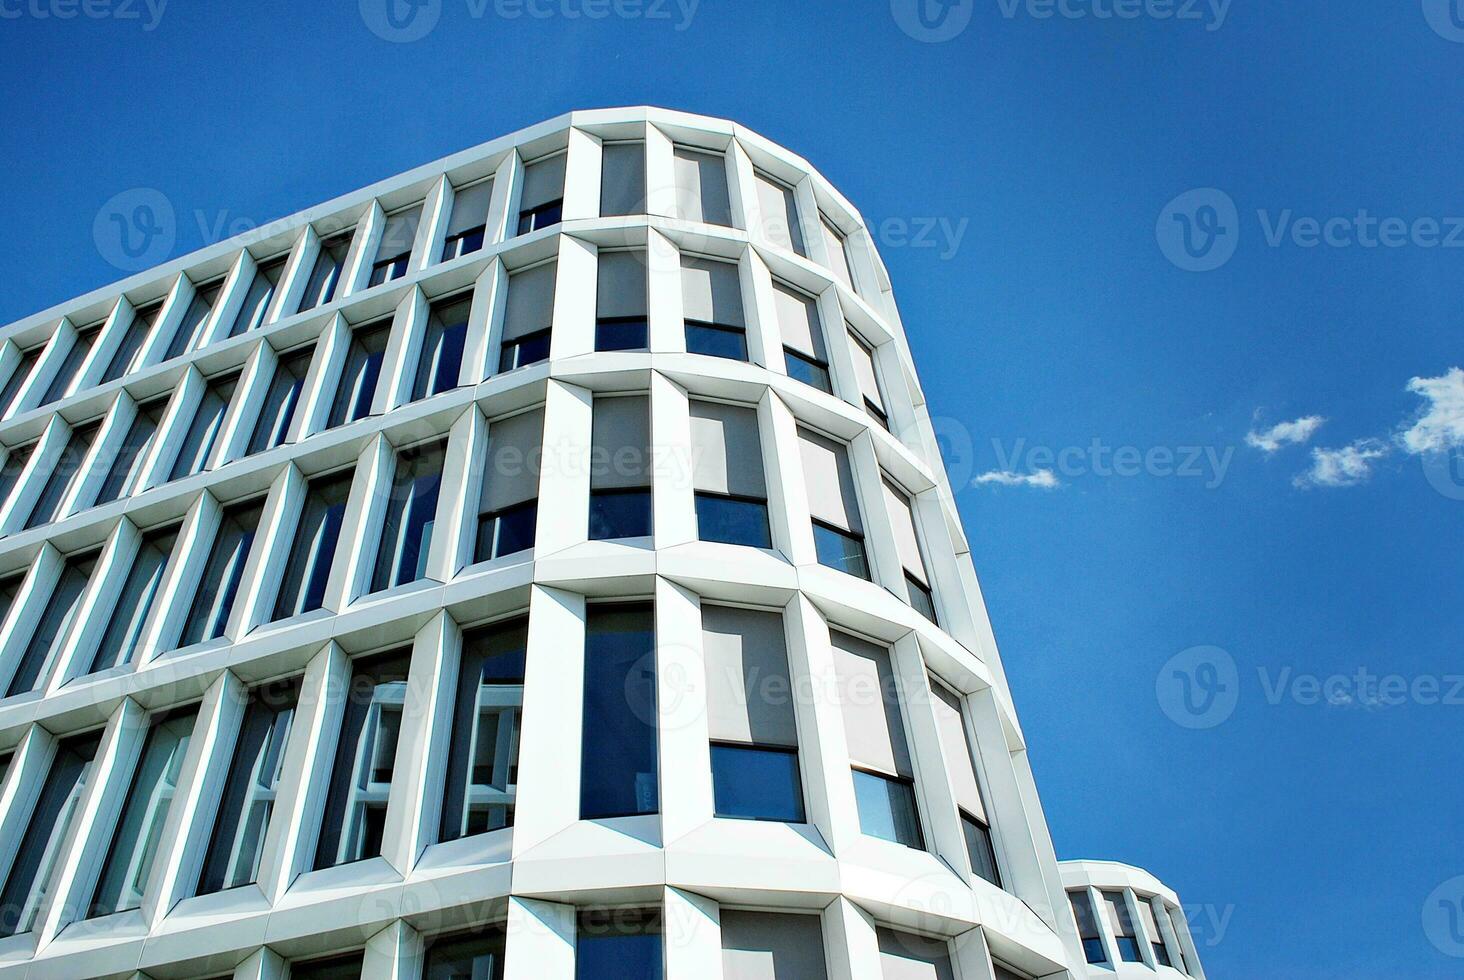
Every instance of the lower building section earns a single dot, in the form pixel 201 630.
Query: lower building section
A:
pixel 1130 923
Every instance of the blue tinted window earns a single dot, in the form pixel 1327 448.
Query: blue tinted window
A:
pixel 838 549
pixel 621 333
pixel 618 770
pixel 808 371
pixel 528 349
pixel 507 532
pixel 618 945
pixel 714 341
pixel 979 849
pixel 731 520
pixel 756 783
pixel 620 514
pixel 887 809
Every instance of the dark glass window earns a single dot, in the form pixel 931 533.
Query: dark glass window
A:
pixel 208 422
pixel 979 848
pixel 921 598
pixel 732 520
pixel 618 770
pixel 715 341
pixel 507 531
pixel 214 600
pixel 887 808
pixel 261 292
pixel 18 376
pixel 355 808
pixel 757 783
pixel 55 622
pixel 620 512
pixel 129 351
pixel 71 367
pixel 411 511
pixel 345 967
pixel 190 331
pixel 33 871
pixel 621 333
pixel 463 243
pixel 126 465
pixel 139 830
pixel 125 624
pixel 482 762
pixel 806 369
pixel 1087 927
pixel 313 546
pixel 531 348
pixel 326 274
pixel 359 375
pixel 12 468
pixel 1124 936
pixel 441 360
pixel 618 944
pixel 64 475
pixel 250 790
pixel 542 216
pixel 278 414
pixel 840 549
pixel 475 956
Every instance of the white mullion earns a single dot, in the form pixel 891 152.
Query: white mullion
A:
pixel 553 718
pixel 166 323
pixel 938 808
pixel 102 455
pixel 232 293
pixel 30 767
pixel 263 964
pixel 851 944
pixel 742 189
pixel 660 172
pixel 540 940
pixel 289 843
pixel 683 745
pixel 85 848
pixel 672 498
pixel 269 555
pixel 764 333
pixel 564 478
pixel 312 411
pixel 294 277
pixel 824 748
pixel 880 549
pixel 71 654
pixel 692 928
pixel 844 379
pixel 361 526
pixel 178 590
pixel 455 526
pixel 665 320
pixel 573 330
pixel 432 229
pixel 104 348
pixel 394 953
pixel 172 432
pixel 242 415
pixel 28 609
pixel 365 237
pixel 37 472
pixel 414 807
pixel 403 347
pixel 582 165
pixel 810 225
pixel 200 783
pixel 787 489
pixel 481 344
pixel 503 202
pixel 54 354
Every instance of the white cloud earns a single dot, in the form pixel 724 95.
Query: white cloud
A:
pixel 1292 433
pixel 1041 479
pixel 1343 467
pixel 1440 425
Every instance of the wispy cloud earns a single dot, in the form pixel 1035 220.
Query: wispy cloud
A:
pixel 1292 433
pixel 1041 479
pixel 1343 467
pixel 1440 425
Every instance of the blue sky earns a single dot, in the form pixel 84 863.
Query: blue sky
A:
pixel 1045 153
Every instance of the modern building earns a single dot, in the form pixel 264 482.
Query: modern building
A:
pixel 536 565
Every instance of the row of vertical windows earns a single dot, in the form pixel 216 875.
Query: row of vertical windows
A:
pixel 1119 923
pixel 730 500
pixel 753 743
pixel 701 195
